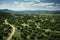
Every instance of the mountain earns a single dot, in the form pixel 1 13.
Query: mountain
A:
pixel 30 11
pixel 5 10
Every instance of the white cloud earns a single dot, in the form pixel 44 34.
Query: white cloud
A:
pixel 33 0
pixel 26 3
pixel 16 2
pixel 29 6
pixel 44 4
pixel 58 4
pixel 37 0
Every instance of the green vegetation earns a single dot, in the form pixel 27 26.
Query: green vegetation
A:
pixel 5 30
pixel 31 26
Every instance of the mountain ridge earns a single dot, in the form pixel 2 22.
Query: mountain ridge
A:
pixel 30 11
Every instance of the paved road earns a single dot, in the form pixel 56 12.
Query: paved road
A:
pixel 13 30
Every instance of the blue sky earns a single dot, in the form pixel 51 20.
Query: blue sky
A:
pixel 30 4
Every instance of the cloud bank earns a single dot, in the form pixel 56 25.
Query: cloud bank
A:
pixel 30 5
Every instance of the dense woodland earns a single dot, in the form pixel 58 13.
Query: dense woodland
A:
pixel 31 26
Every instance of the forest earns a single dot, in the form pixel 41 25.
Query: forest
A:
pixel 30 26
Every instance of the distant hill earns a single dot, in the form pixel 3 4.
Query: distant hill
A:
pixel 30 11
pixel 5 10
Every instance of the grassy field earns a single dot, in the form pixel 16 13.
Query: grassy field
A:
pixel 31 26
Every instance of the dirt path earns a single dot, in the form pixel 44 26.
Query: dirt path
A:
pixel 13 30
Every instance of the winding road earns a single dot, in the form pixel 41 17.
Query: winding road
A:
pixel 13 29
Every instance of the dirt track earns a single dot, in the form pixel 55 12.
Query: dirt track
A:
pixel 13 30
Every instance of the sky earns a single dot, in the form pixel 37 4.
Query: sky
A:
pixel 30 4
